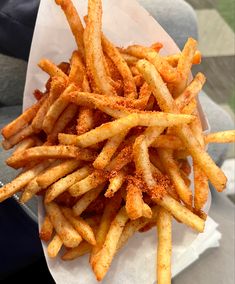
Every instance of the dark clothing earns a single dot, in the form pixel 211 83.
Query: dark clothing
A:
pixel 17 20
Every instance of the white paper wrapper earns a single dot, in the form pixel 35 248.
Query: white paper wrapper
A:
pixel 124 22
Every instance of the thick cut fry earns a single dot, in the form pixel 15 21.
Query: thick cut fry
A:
pixel 46 229
pixel 93 180
pixel 167 103
pixel 173 171
pixel 16 138
pixel 80 226
pixel 93 46
pixel 80 250
pixel 51 69
pixel 128 80
pixel 109 248
pixel 115 183
pixel 164 248
pixel 108 151
pixel 46 152
pixel 21 181
pixel 64 183
pixel 168 73
pixel 54 246
pixel 134 201
pixel 63 228
pixel 74 22
pixel 56 172
pixel 56 109
pixel 221 137
pixel 109 213
pixel 21 121
pixel 133 226
pixel 86 200
pixel 113 128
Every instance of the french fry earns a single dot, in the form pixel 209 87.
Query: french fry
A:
pixel 174 59
pixel 113 128
pixel 134 201
pixel 109 248
pixel 168 141
pixel 128 80
pixel 54 246
pixel 173 171
pixel 109 213
pixel 74 22
pixel 21 181
pixel 26 143
pixel 82 249
pixel 93 46
pixel 93 180
pixel 164 248
pixel 167 103
pixel 86 200
pixel 16 138
pixel 19 159
pixel 80 226
pixel 108 151
pixel 63 228
pixel 115 183
pixel 46 230
pixel 51 69
pixel 221 137
pixel 64 183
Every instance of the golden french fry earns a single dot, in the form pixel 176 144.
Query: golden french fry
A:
pixel 21 181
pixel 82 249
pixel 221 137
pixel 173 171
pixel 54 246
pixel 115 184
pixel 51 69
pixel 164 248
pixel 167 103
pixel 64 183
pixel 109 213
pixel 109 248
pixel 46 229
pixel 86 200
pixel 173 59
pixel 93 180
pixel 26 143
pixel 80 226
pixel 63 228
pixel 20 159
pixel 168 141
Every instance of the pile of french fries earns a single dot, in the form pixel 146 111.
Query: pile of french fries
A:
pixel 106 146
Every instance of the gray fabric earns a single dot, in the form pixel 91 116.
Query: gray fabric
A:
pixel 176 16
pixel 12 78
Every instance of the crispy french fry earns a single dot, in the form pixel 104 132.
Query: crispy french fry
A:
pixel 115 183
pixel 173 171
pixel 21 181
pixel 80 226
pixel 173 59
pixel 51 69
pixel 82 249
pixel 74 22
pixel 20 159
pixel 167 103
pixel 64 183
pixel 109 213
pixel 93 180
pixel 46 229
pixel 221 137
pixel 54 246
pixel 168 141
pixel 109 248
pixel 26 143
pixel 164 248
pixel 86 200
pixel 63 228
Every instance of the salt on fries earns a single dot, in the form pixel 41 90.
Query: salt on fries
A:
pixel 106 145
